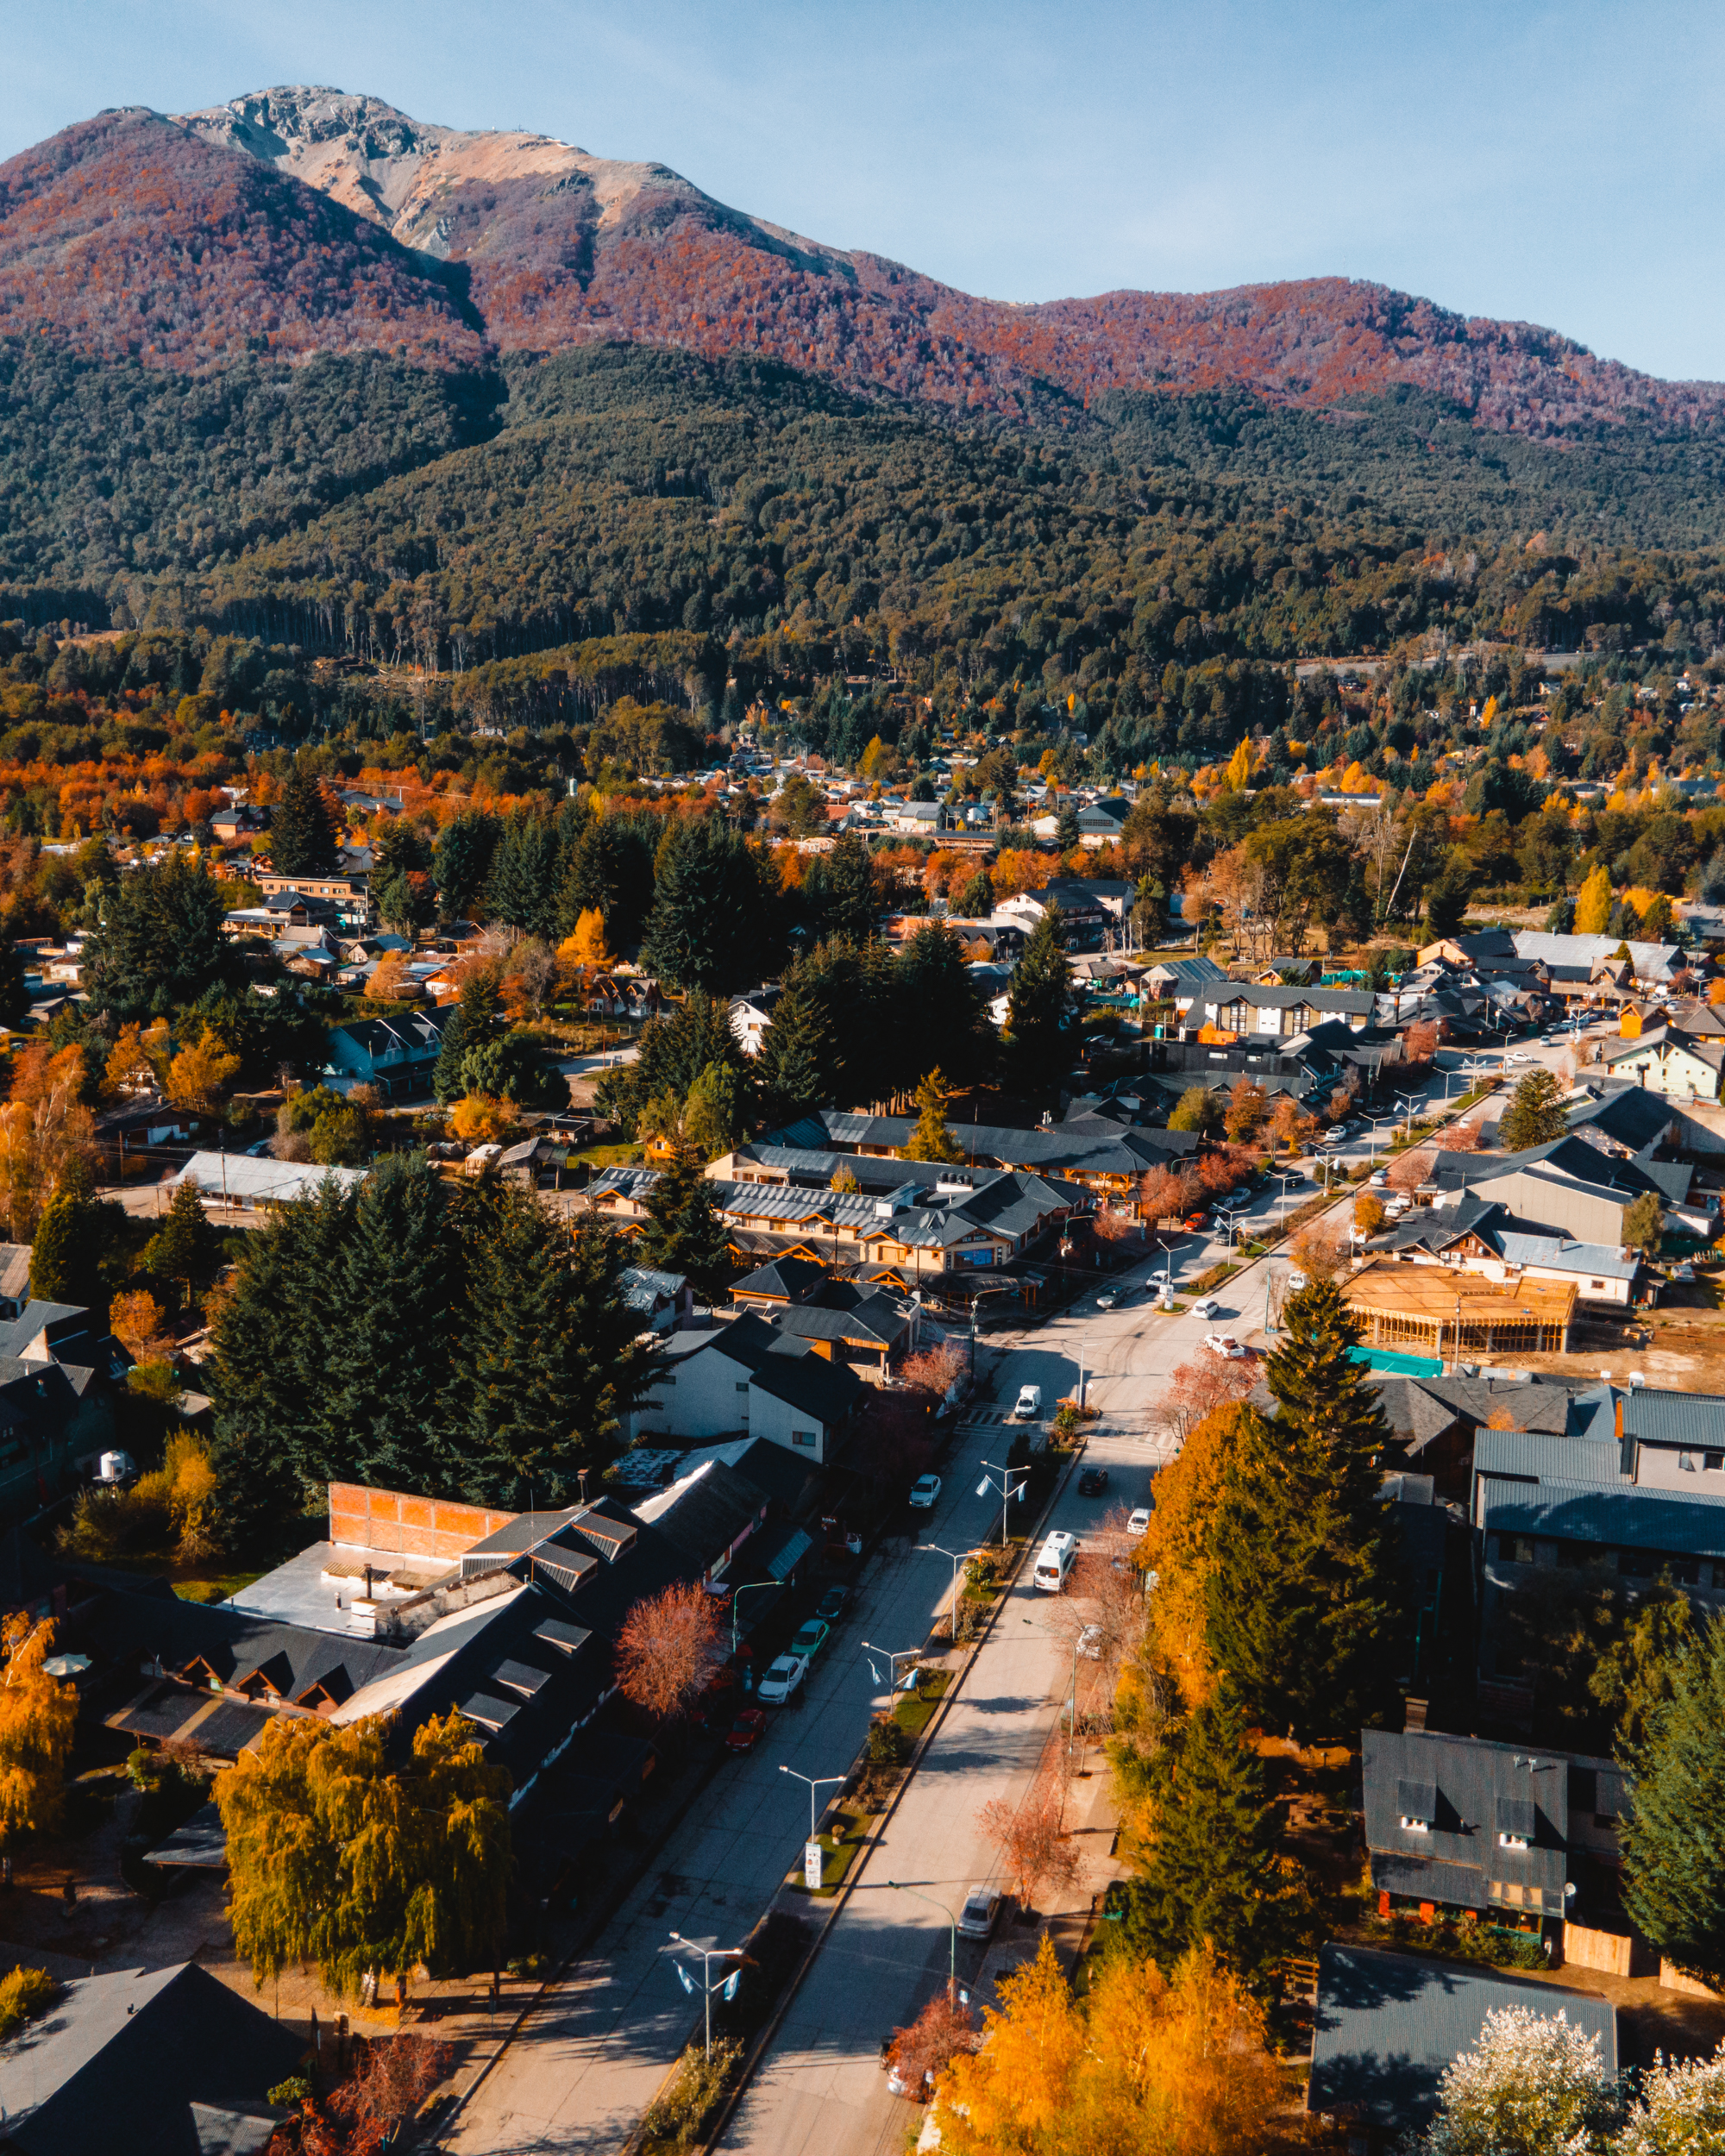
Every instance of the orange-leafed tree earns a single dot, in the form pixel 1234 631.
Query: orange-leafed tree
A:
pixel 667 1649
pixel 138 1323
pixel 1198 1389
pixel 1034 1850
pixel 37 1716
pixel 1177 1546
pixel 1017 2090
pixel 928 2047
pixel 200 1077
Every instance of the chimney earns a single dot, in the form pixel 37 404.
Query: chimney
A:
pixel 1620 1418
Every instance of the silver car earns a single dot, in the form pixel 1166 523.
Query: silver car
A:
pixel 982 1907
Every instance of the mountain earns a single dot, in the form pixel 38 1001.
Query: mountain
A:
pixel 301 218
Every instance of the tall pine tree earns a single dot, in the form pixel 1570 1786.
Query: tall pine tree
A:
pixel 714 919
pixel 526 873
pixel 683 1233
pixel 388 1374
pixel 938 1012
pixel 1210 1869
pixel 1040 1014
pixel 1300 1602
pixel 931 1140
pixel 461 861
pixel 798 1065
pixel 1673 1852
pixel 303 840
pixel 476 1022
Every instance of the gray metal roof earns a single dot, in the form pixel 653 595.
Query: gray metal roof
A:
pixel 1472 1781
pixel 1599 1260
pixel 1547 1456
pixel 1653 962
pixel 1388 2025
pixel 1630 1517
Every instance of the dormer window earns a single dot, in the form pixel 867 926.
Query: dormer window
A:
pixel 1416 1826
pixel 1417 1803
pixel 1507 1840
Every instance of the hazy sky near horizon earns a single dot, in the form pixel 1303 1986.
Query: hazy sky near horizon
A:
pixel 1542 162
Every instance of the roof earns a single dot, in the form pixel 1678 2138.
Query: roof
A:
pixel 1632 1516
pixel 874 1321
pixel 785 1279
pixel 1336 1002
pixel 276 1181
pixel 811 1385
pixel 1602 1261
pixel 118 2061
pixel 1652 962
pixel 1388 2025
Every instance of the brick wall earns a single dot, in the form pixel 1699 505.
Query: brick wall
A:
pixel 407 1526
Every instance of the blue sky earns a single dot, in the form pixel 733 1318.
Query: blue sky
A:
pixel 1546 163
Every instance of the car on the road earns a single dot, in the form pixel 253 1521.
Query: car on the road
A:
pixel 1194 1222
pixel 1139 1522
pixel 898 2082
pixel 1109 1297
pixel 1685 1271
pixel 982 1907
pixel 1090 1643
pixel 812 1638
pixel 1209 1307
pixel 1093 1482
pixel 1028 1405
pixel 745 1732
pixel 1242 1196
pixel 924 1492
pixel 1515 1056
pixel 831 1607
pixel 1226 1346
pixel 781 1680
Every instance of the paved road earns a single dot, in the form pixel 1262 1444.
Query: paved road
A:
pixel 593 2058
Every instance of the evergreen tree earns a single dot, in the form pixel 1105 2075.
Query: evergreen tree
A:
pixel 684 1041
pixel 1673 1853
pixel 71 1249
pixel 714 1116
pixel 387 1362
pixel 461 862
pixel 931 1140
pixel 608 870
pixel 976 901
pixel 303 839
pixel 1210 1871
pixel 14 996
pixel 714 924
pixel 683 1233
pixel 526 874
pixel 938 1013
pixel 549 1354
pixel 475 1024
pixel 1446 899
pixel 1040 1013
pixel 839 896
pixel 159 944
pixel 1536 1113
pixel 798 1064
pixel 184 1247
pixel 1299 1604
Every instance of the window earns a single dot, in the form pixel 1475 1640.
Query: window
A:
pixel 1713 1462
pixel 1417 1826
pixel 1512 1841
pixel 802 1437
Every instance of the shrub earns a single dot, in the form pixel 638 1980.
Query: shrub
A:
pixel 676 2119
pixel 25 1992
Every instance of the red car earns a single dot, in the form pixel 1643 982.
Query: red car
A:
pixel 1193 1220
pixel 745 1731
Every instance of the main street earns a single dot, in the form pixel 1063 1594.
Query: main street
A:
pixel 592 2055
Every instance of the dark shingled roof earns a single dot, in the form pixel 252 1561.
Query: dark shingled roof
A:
pixel 1389 2024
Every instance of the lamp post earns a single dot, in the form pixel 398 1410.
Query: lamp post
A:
pixel 815 1782
pixel 957 1559
pixel 1410 1101
pixel 892 1659
pixel 709 1954
pixel 898 1887
pixel 1007 1489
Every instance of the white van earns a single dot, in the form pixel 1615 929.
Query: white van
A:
pixel 1029 1404
pixel 1055 1560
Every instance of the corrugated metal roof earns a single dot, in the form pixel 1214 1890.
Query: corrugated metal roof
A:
pixel 1598 1259
pixel 1653 962
pixel 279 1181
pixel 1663 1417
pixel 1630 1517
pixel 1548 1457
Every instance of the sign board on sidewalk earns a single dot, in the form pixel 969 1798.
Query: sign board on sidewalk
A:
pixel 813 1855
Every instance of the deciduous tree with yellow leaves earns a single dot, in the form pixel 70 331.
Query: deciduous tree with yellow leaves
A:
pixel 36 1720
pixel 1142 2063
pixel 1594 902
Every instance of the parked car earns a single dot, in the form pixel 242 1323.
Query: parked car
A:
pixel 1226 1346
pixel 1109 1297
pixel 898 2085
pixel 1685 1271
pixel 1028 1404
pixel 781 1680
pixel 1240 1197
pixel 811 1639
pixel 1194 1222
pixel 831 1607
pixel 982 1907
pixel 1093 1482
pixel 924 1491
pixel 1296 1281
pixel 1207 1307
pixel 1090 1643
pixel 1139 1522
pixel 745 1732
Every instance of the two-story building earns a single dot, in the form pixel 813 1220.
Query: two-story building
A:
pixel 395 1054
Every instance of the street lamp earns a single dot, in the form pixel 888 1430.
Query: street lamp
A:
pixel 709 1954
pixel 898 1887
pixel 815 1782
pixel 1007 1488
pixel 957 1559
pixel 892 1660
pixel 1410 1101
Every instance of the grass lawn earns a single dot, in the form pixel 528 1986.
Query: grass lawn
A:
pixel 915 1710
pixel 204 1580
pixel 839 1844
pixel 624 1154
